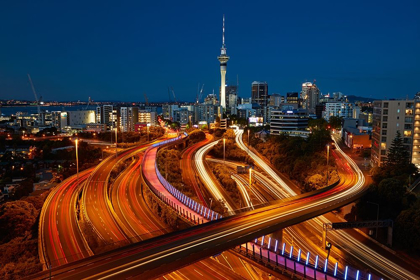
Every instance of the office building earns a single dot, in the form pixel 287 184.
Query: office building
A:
pixel 276 100
pixel 80 118
pixel 310 97
pixel 259 95
pixel 290 122
pixel 292 97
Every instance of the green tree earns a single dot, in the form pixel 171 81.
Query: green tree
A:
pixel 397 155
pixel 397 163
pixel 407 229
pixel 335 122
pixel 16 219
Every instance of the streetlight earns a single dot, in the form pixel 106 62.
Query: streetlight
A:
pixel 248 140
pixel 211 201
pixel 77 162
pixel 148 132
pixel 224 149
pixel 328 157
pixel 377 217
pixel 250 177
pixel 116 141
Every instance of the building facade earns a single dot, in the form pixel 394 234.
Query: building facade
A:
pixel 390 116
pixel 310 97
pixel 291 122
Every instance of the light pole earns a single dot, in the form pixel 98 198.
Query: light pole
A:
pixel 250 177
pixel 328 158
pixel 377 217
pixel 224 150
pixel 248 141
pixel 77 162
pixel 116 141
pixel 148 132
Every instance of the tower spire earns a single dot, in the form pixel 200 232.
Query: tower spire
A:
pixel 223 44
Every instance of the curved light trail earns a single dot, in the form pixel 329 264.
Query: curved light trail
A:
pixel 355 248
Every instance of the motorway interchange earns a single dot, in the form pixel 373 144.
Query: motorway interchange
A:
pixel 117 215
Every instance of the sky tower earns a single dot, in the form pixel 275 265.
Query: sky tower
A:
pixel 223 58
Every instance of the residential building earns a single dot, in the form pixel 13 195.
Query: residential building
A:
pixel 147 117
pixel 128 117
pixel 182 115
pixel 390 116
pixel 338 109
pixel 168 111
pixel 415 159
pixel 106 115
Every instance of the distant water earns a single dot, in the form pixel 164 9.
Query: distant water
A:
pixel 7 111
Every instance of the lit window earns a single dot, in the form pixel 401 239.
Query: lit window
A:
pixel 383 146
pixel 407 132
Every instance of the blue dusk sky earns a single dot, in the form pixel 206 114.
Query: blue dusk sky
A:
pixel 118 50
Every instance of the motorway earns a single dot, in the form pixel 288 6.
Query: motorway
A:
pixel 349 241
pixel 162 254
pixel 60 238
pixel 187 168
pixel 209 181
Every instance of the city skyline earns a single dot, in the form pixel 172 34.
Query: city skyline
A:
pixel 107 51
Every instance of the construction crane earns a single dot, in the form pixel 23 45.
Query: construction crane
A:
pixel 89 101
pixel 36 99
pixel 146 99
pixel 169 95
pixel 173 93
pixel 200 92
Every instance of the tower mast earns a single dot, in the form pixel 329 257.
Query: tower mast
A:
pixel 223 59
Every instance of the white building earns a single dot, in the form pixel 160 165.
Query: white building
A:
pixel 146 117
pixel 337 109
pixel 77 118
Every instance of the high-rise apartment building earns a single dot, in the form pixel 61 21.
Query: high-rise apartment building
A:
pixel 415 159
pixel 128 117
pixel 147 117
pixel 390 116
pixel 106 115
